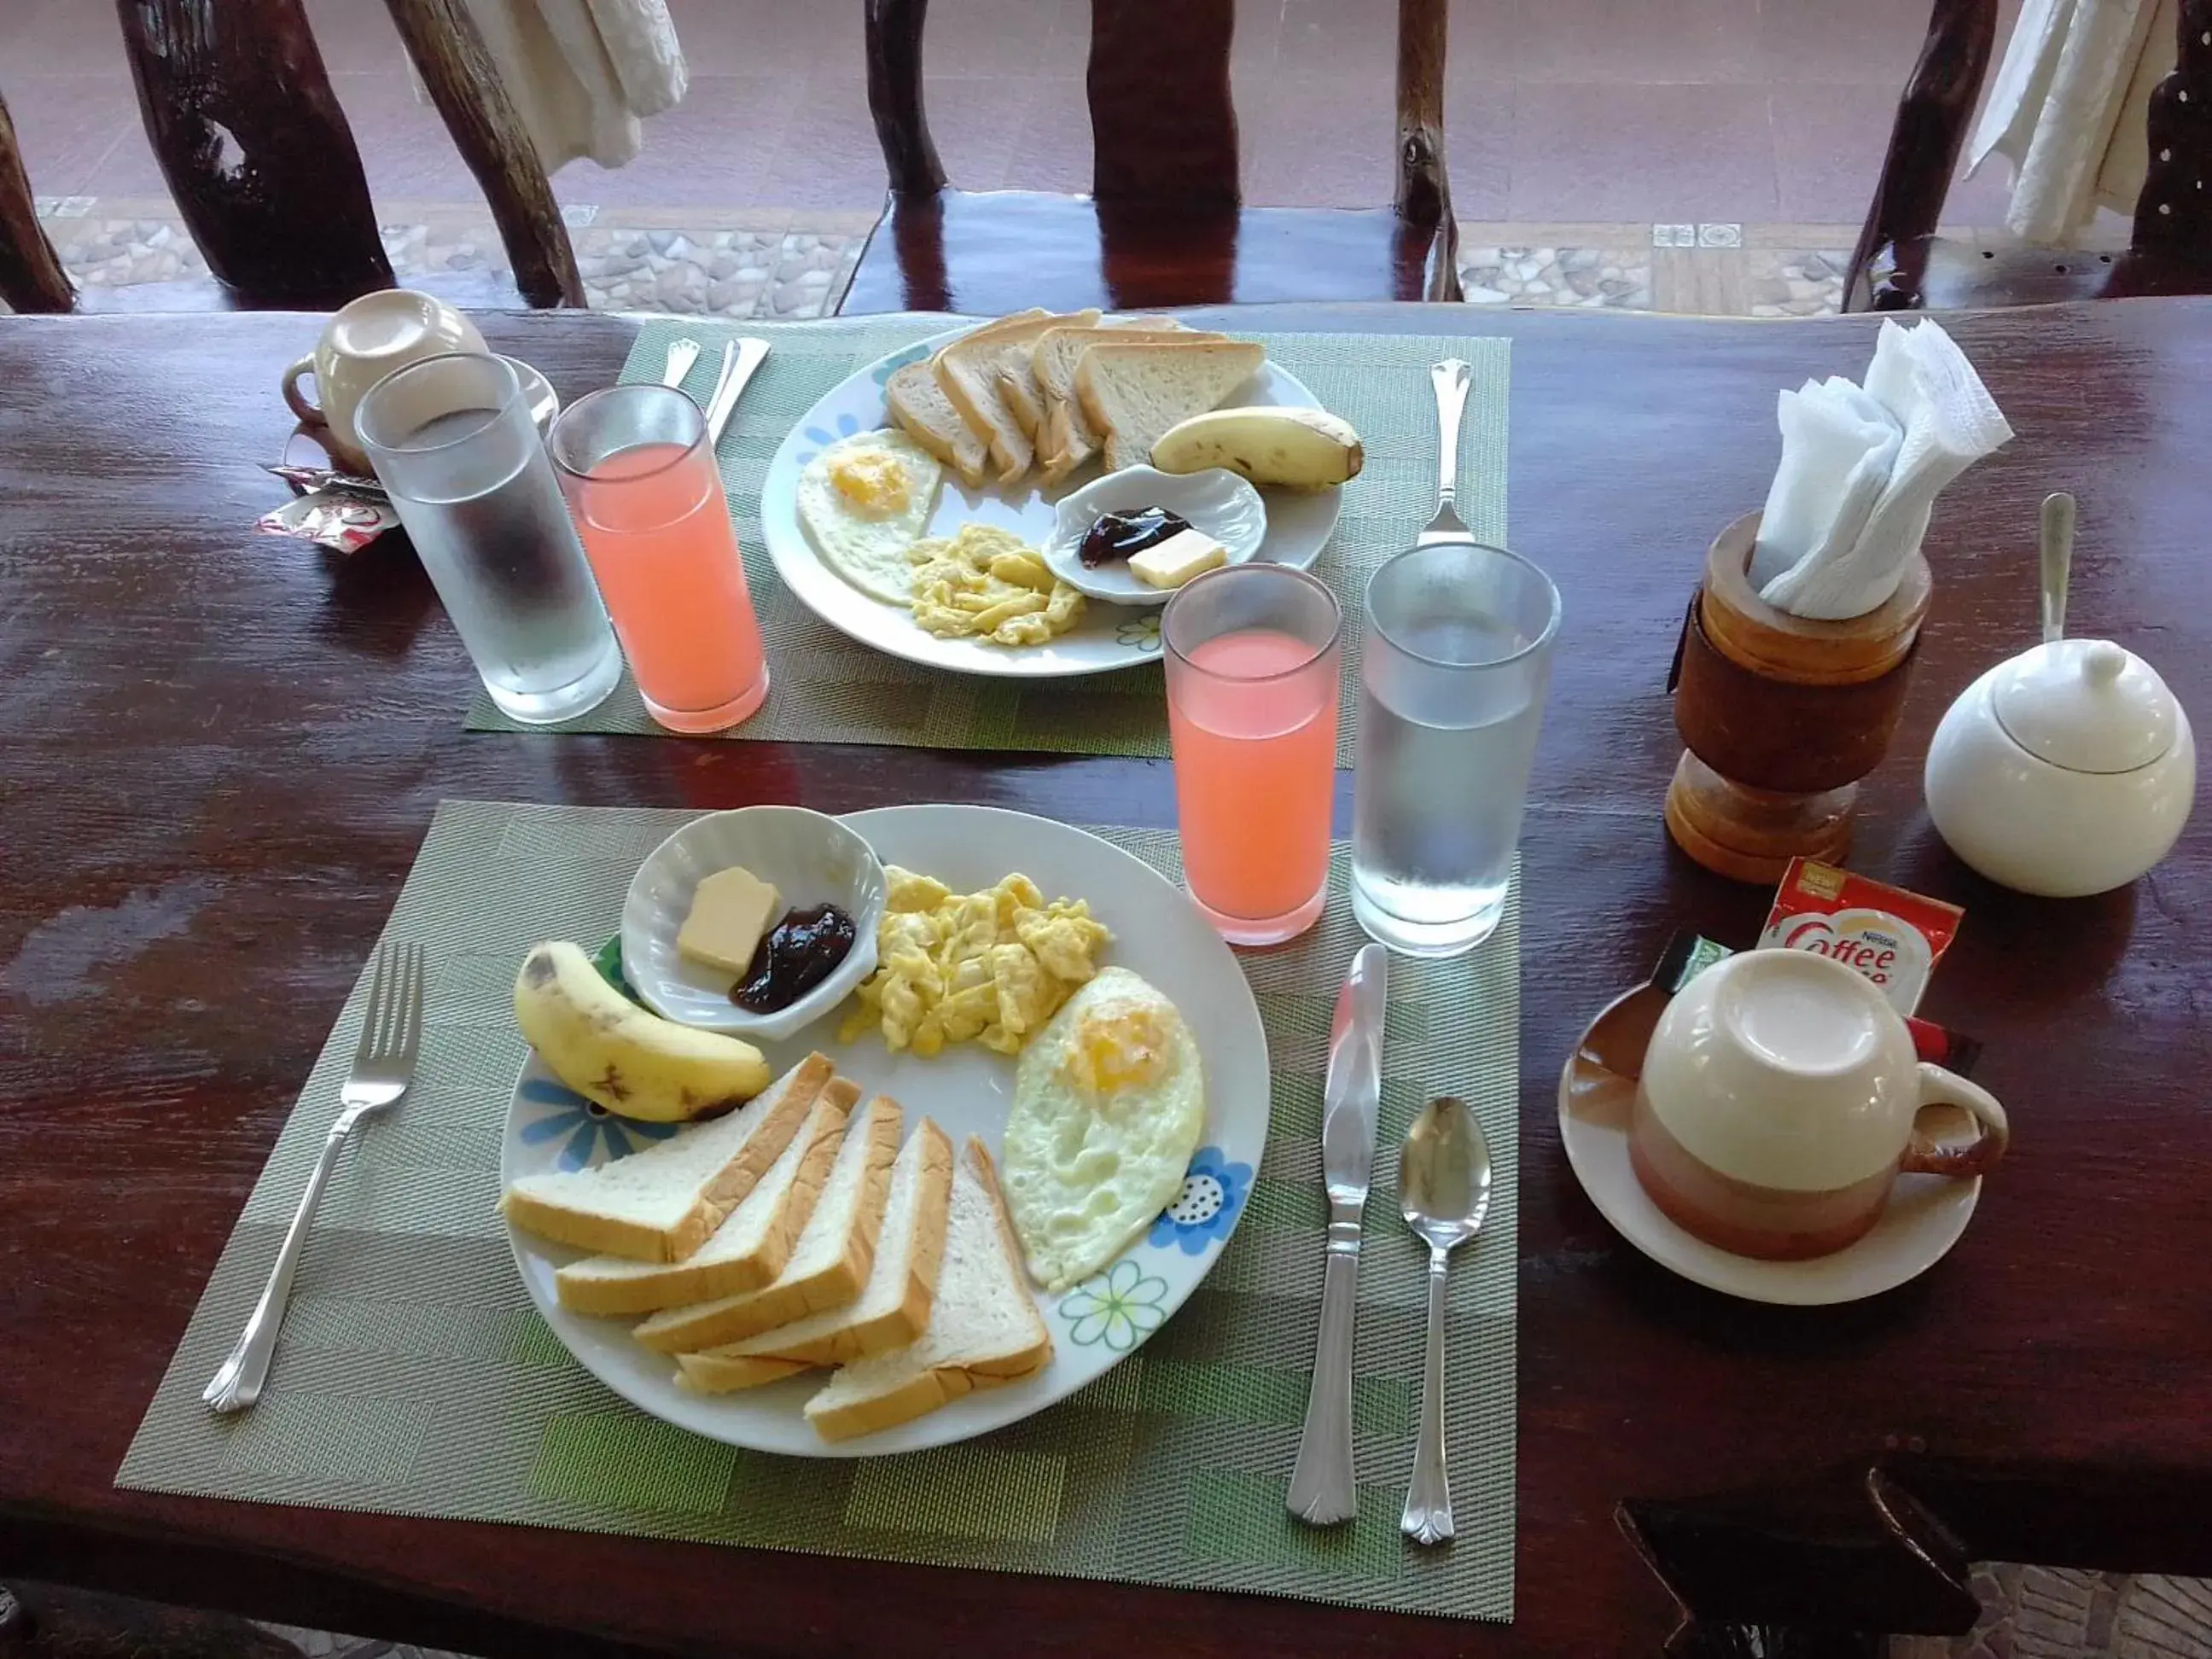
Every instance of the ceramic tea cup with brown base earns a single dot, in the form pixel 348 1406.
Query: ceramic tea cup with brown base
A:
pixel 1780 1098
pixel 363 342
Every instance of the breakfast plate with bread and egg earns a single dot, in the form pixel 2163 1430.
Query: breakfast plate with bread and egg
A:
pixel 940 504
pixel 985 1108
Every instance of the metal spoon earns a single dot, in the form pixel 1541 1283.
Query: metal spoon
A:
pixel 1443 1187
pixel 2057 549
pixel 682 354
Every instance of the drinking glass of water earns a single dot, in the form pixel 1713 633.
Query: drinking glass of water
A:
pixel 1456 659
pixel 639 472
pixel 1252 656
pixel 456 448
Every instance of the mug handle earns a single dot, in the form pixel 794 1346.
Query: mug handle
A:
pixel 308 414
pixel 1941 1088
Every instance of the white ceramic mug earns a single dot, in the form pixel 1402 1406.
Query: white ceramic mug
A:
pixel 1779 1099
pixel 362 344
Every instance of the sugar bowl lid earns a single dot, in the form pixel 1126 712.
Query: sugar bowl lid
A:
pixel 2085 706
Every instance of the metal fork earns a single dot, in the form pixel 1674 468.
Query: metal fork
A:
pixel 383 1066
pixel 1450 378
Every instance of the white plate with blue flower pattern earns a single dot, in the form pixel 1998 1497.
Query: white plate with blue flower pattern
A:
pixel 968 1090
pixel 1110 637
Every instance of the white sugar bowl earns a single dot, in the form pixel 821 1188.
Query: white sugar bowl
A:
pixel 2065 770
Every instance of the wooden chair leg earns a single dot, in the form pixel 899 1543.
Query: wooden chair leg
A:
pixel 1887 265
pixel 31 275
pixel 1423 193
pixel 255 148
pixel 893 33
pixel 464 84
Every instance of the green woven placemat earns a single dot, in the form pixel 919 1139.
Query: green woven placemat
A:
pixel 415 1378
pixel 826 688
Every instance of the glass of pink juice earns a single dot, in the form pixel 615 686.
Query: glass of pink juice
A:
pixel 646 497
pixel 1252 656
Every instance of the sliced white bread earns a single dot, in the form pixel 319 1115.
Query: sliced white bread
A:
pixel 829 1265
pixel 662 1203
pixel 1066 438
pixel 1016 367
pixel 750 1246
pixel 972 371
pixel 920 409
pixel 1132 391
pixel 890 1313
pixel 983 1328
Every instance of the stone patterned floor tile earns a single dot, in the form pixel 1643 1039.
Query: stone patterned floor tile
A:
pixel 114 253
pixel 2062 1613
pixel 1614 277
pixel 1786 283
pixel 321 1644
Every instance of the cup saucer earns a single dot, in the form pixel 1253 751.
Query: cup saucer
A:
pixel 1926 1214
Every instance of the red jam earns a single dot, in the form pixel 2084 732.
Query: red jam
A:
pixel 799 953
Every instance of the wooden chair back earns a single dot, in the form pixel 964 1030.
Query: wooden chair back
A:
pixel 31 275
pixel 258 155
pixel 262 166
pixel 1899 265
pixel 1162 121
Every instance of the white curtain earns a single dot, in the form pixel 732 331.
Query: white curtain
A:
pixel 584 74
pixel 2068 111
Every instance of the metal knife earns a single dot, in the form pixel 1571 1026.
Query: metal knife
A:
pixel 1322 1488
pixel 741 358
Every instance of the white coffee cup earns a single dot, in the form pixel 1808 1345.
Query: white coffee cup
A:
pixel 362 344
pixel 1779 1099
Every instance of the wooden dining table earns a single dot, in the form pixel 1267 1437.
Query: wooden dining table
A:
pixel 222 751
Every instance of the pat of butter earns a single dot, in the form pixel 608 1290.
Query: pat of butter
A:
pixel 730 911
pixel 1174 561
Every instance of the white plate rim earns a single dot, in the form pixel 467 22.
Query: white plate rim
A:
pixel 1135 640
pixel 593 1343
pixel 1906 1242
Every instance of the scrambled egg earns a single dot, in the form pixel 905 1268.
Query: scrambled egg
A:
pixel 992 966
pixel 989 584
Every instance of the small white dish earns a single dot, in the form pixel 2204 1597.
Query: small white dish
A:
pixel 1926 1215
pixel 809 859
pixel 1217 501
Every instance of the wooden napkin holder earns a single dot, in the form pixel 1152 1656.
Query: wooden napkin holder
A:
pixel 1781 715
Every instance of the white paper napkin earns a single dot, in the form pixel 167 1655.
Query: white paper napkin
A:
pixel 1860 469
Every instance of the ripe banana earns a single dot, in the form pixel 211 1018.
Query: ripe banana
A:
pixel 1294 448
pixel 628 1059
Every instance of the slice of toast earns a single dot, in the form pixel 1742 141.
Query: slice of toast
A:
pixel 971 371
pixel 750 1246
pixel 1133 391
pixel 829 1265
pixel 984 1328
pixel 1066 438
pixel 918 407
pixel 1017 381
pixel 891 1312
pixel 661 1204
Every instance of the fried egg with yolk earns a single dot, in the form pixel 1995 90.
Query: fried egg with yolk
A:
pixel 864 500
pixel 1110 1102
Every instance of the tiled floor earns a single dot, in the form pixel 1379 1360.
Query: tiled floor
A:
pixel 1574 126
